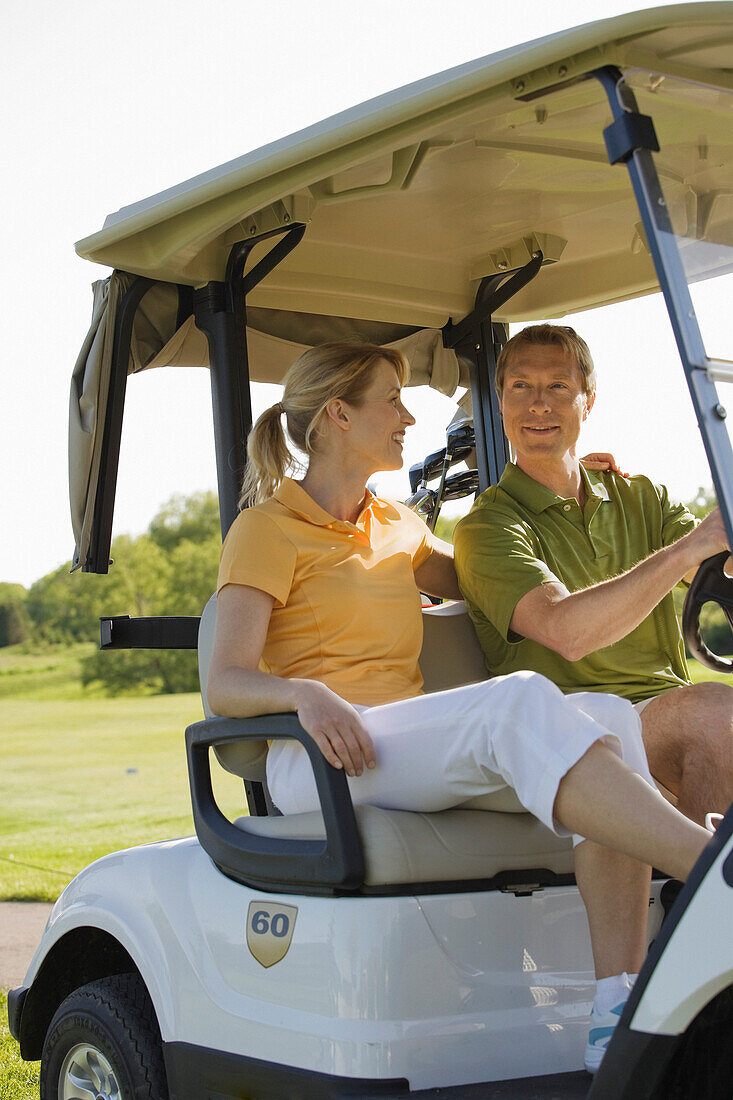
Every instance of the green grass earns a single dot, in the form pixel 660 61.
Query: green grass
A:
pixel 698 673
pixel 18 1079
pixel 84 776
pixel 49 672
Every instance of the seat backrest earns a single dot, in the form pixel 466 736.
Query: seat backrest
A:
pixel 245 758
pixel 450 657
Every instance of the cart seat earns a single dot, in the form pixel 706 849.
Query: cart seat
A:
pixel 487 837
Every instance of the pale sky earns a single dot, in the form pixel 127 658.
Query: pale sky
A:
pixel 107 103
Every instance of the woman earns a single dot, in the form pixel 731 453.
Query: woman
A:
pixel 319 613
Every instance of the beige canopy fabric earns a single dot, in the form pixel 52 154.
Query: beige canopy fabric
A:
pixel 156 342
pixel 410 199
pixel 87 407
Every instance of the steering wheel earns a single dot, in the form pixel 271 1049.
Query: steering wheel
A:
pixel 710 583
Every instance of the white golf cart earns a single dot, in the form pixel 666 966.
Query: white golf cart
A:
pixel 371 953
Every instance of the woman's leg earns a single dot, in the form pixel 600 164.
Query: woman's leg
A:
pixel 437 751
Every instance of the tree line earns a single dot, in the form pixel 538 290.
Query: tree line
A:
pixel 170 570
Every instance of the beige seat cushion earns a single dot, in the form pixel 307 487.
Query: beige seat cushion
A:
pixel 489 834
pixel 454 845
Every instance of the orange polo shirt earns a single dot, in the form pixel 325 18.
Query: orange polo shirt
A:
pixel 347 608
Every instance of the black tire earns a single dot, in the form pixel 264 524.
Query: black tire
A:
pixel 113 1021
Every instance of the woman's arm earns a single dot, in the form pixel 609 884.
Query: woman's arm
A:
pixel 238 689
pixel 437 574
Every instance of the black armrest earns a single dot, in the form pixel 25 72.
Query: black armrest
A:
pixel 335 865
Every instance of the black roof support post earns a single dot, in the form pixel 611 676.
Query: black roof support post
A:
pixel 492 453
pixel 229 392
pixel 478 341
pixel 221 313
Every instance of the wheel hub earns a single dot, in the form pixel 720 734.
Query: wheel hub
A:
pixel 86 1074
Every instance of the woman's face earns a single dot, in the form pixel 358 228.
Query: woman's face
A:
pixel 378 424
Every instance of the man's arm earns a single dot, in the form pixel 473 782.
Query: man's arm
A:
pixel 578 623
pixel 437 574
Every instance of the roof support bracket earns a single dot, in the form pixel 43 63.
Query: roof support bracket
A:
pixel 478 341
pixel 221 313
pixel 630 131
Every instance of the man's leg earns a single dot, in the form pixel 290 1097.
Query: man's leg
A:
pixel 615 891
pixel 688 737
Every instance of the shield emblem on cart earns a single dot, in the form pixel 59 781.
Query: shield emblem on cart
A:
pixel 270 926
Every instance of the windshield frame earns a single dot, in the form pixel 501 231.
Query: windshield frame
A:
pixel 701 372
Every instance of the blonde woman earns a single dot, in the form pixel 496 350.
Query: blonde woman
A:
pixel 319 613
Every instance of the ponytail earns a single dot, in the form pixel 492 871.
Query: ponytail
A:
pixel 268 458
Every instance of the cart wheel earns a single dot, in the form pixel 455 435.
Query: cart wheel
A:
pixel 702 1065
pixel 104 1044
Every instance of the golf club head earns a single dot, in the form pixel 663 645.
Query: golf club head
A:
pixel 460 485
pixel 427 470
pixel 422 501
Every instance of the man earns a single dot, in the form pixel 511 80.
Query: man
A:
pixel 569 573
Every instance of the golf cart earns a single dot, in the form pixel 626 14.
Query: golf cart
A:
pixel 363 952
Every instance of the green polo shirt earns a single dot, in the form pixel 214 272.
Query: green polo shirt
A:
pixel 520 534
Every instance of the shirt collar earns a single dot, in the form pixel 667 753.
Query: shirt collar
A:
pixel 294 497
pixel 538 498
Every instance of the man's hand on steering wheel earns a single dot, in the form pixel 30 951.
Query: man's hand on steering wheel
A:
pixel 712 582
pixel 709 538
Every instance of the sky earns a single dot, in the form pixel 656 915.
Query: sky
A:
pixel 105 104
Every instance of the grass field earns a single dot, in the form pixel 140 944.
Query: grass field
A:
pixel 18 1079
pixel 82 775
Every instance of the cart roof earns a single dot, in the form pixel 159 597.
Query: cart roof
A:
pixel 411 198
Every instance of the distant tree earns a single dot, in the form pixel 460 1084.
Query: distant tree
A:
pixel 703 502
pixel 194 519
pixel 64 606
pixel 159 573
pixel 445 527
pixel 147 577
pixel 15 623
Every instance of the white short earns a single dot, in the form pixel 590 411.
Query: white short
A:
pixel 441 750
pixel 638 707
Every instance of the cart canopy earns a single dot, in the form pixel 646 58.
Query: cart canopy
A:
pixel 411 199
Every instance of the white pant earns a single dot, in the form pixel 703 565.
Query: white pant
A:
pixel 441 750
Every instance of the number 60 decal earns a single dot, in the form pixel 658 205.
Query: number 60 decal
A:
pixel 270 926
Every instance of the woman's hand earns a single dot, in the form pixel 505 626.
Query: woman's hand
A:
pixel 334 725
pixel 601 460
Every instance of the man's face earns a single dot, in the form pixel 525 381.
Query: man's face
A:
pixel 543 402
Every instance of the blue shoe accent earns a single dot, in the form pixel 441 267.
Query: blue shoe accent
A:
pixel 600 1035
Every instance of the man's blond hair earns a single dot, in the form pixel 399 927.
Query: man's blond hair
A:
pixel 559 336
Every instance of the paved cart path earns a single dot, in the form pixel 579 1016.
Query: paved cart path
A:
pixel 21 927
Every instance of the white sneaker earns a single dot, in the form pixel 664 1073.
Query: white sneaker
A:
pixel 601 1029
